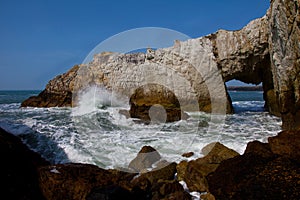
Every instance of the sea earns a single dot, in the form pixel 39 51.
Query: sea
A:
pixel 96 133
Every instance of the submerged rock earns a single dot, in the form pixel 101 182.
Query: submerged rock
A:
pixel 146 157
pixel 188 154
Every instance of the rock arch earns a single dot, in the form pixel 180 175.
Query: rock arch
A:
pixel 266 50
pixel 244 55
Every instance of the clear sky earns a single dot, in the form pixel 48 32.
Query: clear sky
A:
pixel 40 39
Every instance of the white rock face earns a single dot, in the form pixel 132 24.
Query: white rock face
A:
pixel 189 69
pixel 194 70
pixel 265 51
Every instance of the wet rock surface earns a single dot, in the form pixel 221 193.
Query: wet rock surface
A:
pixel 146 157
pixel 265 171
pixel 194 173
pixel 262 172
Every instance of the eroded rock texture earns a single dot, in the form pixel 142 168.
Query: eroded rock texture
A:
pixel 284 45
pixel 58 91
pixel 265 171
pixel 265 51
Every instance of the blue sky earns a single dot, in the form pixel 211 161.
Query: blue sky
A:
pixel 40 39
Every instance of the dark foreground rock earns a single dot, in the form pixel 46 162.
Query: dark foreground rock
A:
pixel 286 144
pixel 25 175
pixel 265 171
pixel 18 169
pixel 260 173
pixel 194 173
pixel 83 181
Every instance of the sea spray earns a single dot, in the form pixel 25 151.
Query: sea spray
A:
pixel 94 98
pixel 108 139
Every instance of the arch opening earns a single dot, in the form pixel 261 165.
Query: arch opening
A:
pixel 246 97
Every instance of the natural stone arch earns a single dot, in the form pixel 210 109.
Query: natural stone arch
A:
pixel 244 55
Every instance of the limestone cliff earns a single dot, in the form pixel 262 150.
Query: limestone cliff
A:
pixel 284 45
pixel 265 51
pixel 58 91
pixel 244 55
pixel 194 70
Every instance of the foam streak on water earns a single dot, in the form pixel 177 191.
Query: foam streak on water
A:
pixel 104 137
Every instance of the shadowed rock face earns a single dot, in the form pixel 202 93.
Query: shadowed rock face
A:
pixel 265 51
pixel 284 39
pixel 264 171
pixel 19 169
pixel 244 55
pixel 194 173
pixel 155 104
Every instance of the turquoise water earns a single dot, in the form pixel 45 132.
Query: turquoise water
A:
pixel 101 136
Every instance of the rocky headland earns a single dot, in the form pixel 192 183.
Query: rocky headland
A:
pixel 265 51
pixel 245 88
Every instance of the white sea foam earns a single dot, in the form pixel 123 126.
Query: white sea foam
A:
pixel 94 98
pixel 106 138
pixel 195 195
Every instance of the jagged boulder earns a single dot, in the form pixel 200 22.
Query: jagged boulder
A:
pixel 146 157
pixel 194 173
pixel 84 181
pixel 286 143
pixel 262 172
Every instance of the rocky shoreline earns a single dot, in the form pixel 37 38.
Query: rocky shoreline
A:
pixel 265 171
pixel 264 51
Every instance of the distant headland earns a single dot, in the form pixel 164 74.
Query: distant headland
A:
pixel 245 88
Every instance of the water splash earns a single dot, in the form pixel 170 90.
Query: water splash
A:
pixel 94 98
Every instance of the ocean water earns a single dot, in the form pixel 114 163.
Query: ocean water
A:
pixel 96 133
